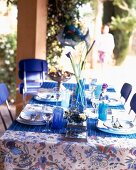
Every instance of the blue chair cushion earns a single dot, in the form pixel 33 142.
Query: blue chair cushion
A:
pixel 4 93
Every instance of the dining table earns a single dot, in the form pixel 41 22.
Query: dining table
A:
pixel 27 147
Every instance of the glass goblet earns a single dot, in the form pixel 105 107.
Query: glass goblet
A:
pixel 57 94
pixel 47 116
pixel 95 104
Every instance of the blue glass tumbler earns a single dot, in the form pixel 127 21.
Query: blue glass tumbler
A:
pixel 65 98
pixel 58 120
pixel 102 111
pixel 97 91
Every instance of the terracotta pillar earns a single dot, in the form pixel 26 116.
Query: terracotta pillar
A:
pixel 31 34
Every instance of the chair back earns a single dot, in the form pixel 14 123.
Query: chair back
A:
pixel 32 67
pixel 133 103
pixel 32 72
pixel 125 91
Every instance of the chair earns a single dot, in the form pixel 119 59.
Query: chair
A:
pixel 32 72
pixel 125 91
pixel 4 94
pixel 133 105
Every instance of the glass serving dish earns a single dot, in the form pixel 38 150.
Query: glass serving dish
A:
pixel 60 76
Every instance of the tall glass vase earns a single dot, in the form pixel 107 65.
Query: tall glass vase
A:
pixel 80 96
pixel 78 102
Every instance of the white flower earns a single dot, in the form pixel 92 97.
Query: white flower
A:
pixel 7 62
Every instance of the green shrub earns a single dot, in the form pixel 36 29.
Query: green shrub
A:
pixel 123 21
pixel 59 15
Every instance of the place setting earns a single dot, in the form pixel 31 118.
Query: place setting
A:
pixel 114 102
pixel 52 118
pixel 118 122
pixel 109 113
pixel 48 95
pixel 34 114
pixel 120 127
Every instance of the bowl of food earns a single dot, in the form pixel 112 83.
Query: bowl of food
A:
pixel 59 75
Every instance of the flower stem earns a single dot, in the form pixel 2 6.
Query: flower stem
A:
pixel 77 79
pixel 83 62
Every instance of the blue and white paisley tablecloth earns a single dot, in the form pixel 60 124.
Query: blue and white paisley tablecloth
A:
pixel 29 150
pixel 22 150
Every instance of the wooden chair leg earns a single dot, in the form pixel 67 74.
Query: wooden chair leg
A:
pixel 11 116
pixel 3 121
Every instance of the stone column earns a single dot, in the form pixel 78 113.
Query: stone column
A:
pixel 31 35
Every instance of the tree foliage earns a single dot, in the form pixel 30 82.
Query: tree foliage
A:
pixel 8 64
pixel 60 13
pixel 14 2
pixel 120 13
pixel 123 22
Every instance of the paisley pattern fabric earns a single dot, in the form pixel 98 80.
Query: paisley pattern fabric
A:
pixel 25 150
pixel 20 150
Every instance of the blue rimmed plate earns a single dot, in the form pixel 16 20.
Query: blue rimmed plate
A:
pixel 28 122
pixel 127 127
pixel 48 100
pixel 114 102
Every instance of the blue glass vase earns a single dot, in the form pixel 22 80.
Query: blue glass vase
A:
pixel 78 102
pixel 80 96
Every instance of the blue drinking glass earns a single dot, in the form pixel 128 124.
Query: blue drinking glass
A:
pixel 102 111
pixel 58 120
pixel 97 91
pixel 65 98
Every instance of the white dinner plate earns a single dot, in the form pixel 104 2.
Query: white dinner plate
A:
pixel 45 90
pixel 125 125
pixel 128 128
pixel 31 110
pixel 49 100
pixel 48 94
pixel 114 102
pixel 27 122
pixel 32 114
